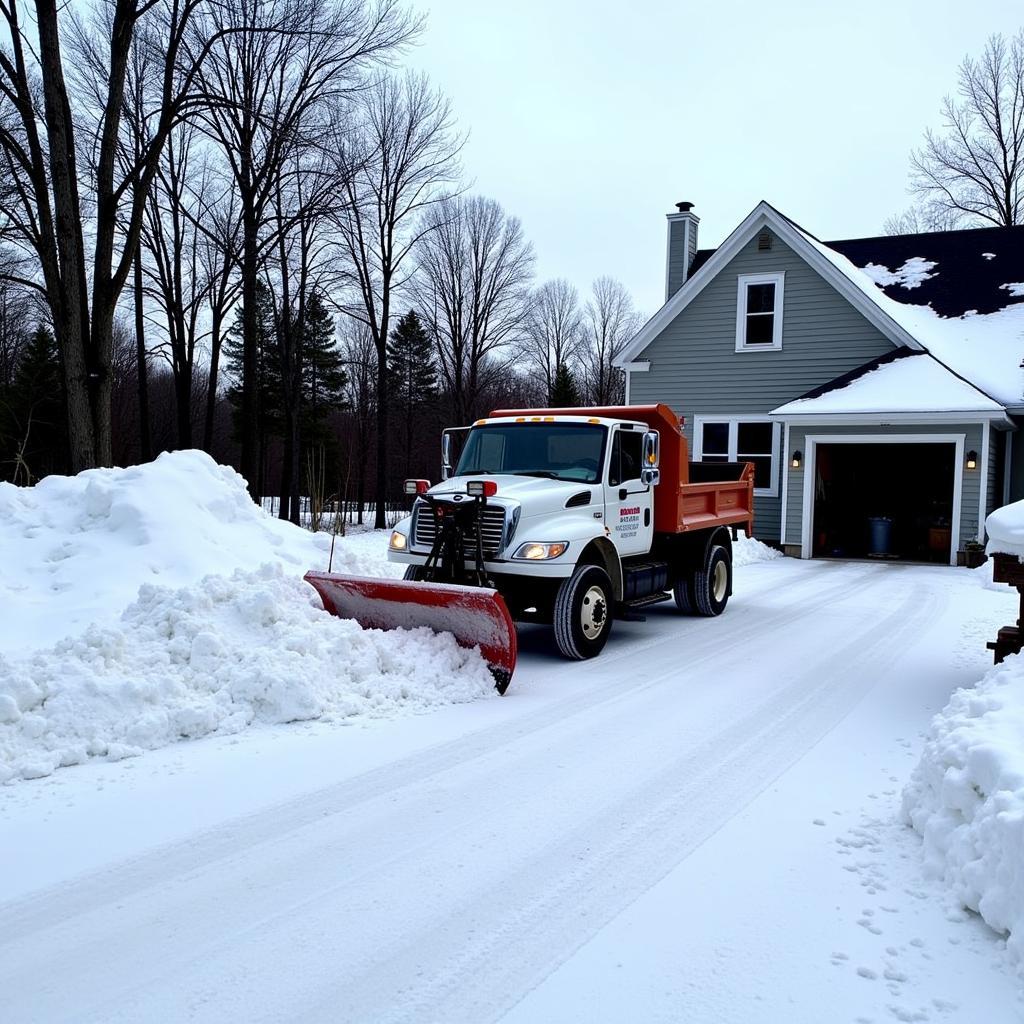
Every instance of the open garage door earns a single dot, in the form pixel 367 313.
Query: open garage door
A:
pixel 886 501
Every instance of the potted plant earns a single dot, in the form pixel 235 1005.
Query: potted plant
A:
pixel 972 555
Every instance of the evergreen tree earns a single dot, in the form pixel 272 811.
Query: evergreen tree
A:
pixel 324 379
pixel 269 384
pixel 324 391
pixel 33 413
pixel 564 391
pixel 412 376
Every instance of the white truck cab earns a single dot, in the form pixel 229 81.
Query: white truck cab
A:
pixel 561 482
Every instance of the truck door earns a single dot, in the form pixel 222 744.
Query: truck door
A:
pixel 629 512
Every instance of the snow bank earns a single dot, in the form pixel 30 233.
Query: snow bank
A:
pixel 75 550
pixel 216 656
pixel 966 798
pixel 747 550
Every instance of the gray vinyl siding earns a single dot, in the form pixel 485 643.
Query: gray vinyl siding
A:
pixel 994 496
pixel 969 496
pixel 695 368
pixel 1015 439
pixel 677 255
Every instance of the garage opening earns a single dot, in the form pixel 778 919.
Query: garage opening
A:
pixel 884 501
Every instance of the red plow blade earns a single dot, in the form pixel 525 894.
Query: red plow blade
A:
pixel 475 616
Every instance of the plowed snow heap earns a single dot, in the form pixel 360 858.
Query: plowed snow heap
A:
pixel 145 605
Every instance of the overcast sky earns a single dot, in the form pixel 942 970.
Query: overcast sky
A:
pixel 589 122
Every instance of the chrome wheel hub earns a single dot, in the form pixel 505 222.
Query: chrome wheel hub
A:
pixel 593 613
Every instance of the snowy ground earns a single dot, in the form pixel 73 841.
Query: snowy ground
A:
pixel 701 826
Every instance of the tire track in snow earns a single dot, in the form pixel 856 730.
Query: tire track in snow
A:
pixel 669 816
pixel 159 881
pixel 270 824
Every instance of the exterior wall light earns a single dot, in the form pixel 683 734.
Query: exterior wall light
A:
pixel 797 460
pixel 972 460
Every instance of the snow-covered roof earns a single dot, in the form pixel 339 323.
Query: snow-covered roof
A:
pixel 985 348
pixel 955 294
pixel 915 383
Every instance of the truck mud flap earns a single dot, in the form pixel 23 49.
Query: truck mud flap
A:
pixel 475 616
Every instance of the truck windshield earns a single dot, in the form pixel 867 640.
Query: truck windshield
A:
pixel 560 451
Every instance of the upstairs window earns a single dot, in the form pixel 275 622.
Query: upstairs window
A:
pixel 759 312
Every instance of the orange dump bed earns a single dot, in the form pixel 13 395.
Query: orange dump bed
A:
pixel 691 496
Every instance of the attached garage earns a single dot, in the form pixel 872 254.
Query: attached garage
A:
pixel 893 500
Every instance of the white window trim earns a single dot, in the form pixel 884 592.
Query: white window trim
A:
pixel 733 419
pixel 777 279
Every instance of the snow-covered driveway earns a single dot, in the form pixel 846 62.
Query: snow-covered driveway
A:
pixel 696 827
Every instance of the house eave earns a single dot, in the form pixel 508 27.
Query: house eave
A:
pixel 997 418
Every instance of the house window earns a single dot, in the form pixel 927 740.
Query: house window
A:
pixel 742 440
pixel 759 312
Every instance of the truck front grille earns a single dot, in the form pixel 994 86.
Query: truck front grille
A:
pixel 492 529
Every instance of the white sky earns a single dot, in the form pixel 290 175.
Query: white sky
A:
pixel 589 123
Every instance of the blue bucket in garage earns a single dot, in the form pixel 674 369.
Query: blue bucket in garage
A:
pixel 880 540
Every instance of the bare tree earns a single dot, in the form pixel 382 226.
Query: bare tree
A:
pixel 45 210
pixel 475 268
pixel 974 166
pixel 220 229
pixel 303 203
pixel 172 241
pixel 403 152
pixel 609 322
pixel 554 329
pixel 360 353
pixel 921 219
pixel 269 81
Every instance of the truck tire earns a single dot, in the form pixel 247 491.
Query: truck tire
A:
pixel 583 613
pixel 713 584
pixel 413 572
pixel 682 591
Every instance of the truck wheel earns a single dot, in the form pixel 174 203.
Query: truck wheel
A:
pixel 713 584
pixel 413 572
pixel 683 593
pixel 583 613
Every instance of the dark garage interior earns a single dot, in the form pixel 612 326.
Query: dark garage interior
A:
pixel 884 501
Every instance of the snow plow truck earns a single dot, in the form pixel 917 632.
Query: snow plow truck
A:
pixel 570 517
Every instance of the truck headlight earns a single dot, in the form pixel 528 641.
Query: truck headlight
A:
pixel 398 541
pixel 534 552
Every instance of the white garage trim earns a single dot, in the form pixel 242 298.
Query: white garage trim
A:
pixel 811 469
pixel 983 469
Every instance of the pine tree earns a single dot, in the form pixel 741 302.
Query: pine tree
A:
pixel 564 391
pixel 324 379
pixel 269 385
pixel 324 391
pixel 33 416
pixel 412 375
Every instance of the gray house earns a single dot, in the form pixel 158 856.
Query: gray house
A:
pixel 875 383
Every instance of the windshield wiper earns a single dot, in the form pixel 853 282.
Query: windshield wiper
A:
pixel 547 473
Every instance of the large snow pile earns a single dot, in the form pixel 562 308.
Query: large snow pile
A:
pixel 966 798
pixel 747 550
pixel 146 605
pixel 216 656
pixel 75 550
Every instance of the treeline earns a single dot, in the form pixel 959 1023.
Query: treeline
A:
pixel 241 226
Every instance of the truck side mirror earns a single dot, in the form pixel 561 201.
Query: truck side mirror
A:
pixel 650 474
pixel 446 455
pixel 652 449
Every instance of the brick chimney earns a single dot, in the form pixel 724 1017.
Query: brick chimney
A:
pixel 682 247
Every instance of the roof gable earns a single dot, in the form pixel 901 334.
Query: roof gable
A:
pixel 803 244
